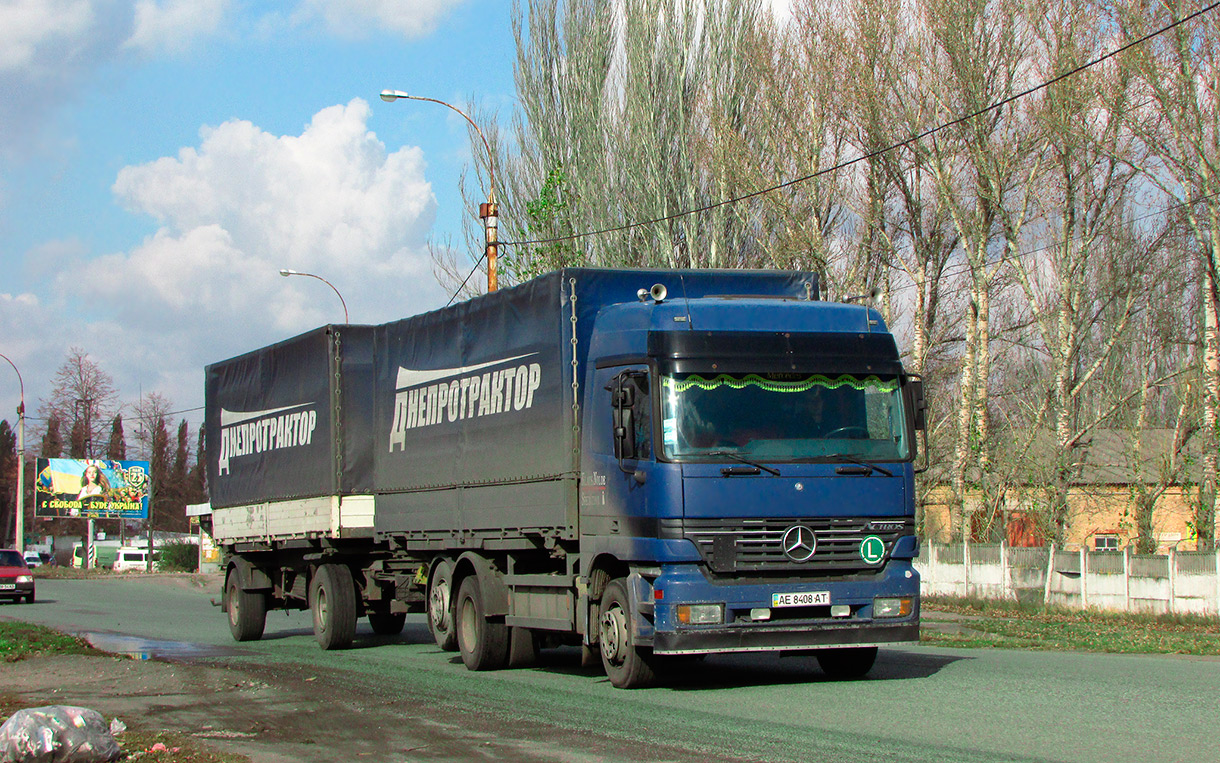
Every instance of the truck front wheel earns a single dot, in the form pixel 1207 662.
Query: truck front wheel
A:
pixel 627 665
pixel 483 643
pixel 247 611
pixel 332 599
pixel 853 662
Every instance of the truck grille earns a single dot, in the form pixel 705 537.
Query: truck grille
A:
pixel 754 546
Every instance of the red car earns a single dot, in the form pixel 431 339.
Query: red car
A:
pixel 16 580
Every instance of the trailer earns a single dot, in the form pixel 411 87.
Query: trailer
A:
pixel 645 463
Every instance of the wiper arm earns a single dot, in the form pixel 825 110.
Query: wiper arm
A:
pixel 743 460
pixel 845 458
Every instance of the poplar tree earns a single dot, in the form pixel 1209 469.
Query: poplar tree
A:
pixel 116 448
pixel 8 481
pixel 52 441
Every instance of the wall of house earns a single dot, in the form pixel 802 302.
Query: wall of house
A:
pixel 1096 510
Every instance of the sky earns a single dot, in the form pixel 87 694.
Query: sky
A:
pixel 161 160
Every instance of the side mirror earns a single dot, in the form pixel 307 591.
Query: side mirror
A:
pixel 622 398
pixel 919 404
pixel 919 417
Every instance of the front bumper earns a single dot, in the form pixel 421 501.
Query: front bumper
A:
pixel 757 638
pixel 10 588
pixel 782 629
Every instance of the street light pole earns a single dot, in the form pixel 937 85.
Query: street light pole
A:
pixel 285 272
pixel 19 529
pixel 487 211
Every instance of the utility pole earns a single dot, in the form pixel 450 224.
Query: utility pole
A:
pixel 19 524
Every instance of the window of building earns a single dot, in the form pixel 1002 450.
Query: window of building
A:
pixel 1105 543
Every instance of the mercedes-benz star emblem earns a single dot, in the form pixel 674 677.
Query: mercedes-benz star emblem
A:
pixel 799 543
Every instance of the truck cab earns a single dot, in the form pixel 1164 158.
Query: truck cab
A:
pixel 754 487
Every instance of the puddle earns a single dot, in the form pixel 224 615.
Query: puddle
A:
pixel 148 649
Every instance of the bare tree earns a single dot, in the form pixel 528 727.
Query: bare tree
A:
pixel 1178 75
pixel 983 170
pixel 84 398
pixel 1073 269
pixel 629 112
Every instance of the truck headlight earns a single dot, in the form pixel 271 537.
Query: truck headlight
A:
pixel 893 607
pixel 700 614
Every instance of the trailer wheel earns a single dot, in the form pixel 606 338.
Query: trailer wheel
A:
pixel 387 623
pixel 332 598
pixel 483 643
pixel 840 664
pixel 440 608
pixel 247 610
pixel 627 665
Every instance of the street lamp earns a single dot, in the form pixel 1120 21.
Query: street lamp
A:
pixel 487 211
pixel 285 272
pixel 19 530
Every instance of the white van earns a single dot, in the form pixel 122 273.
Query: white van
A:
pixel 132 559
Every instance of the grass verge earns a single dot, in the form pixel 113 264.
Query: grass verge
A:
pixel 21 640
pixel 988 623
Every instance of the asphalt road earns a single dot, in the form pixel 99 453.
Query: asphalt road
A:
pixel 918 703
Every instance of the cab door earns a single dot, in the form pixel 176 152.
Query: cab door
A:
pixel 619 453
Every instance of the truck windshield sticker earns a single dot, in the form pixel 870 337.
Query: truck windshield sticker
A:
pixel 782 416
pixel 470 395
pixel 245 433
pixel 868 383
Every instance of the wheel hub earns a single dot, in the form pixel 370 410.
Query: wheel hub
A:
pixel 614 635
pixel 438 606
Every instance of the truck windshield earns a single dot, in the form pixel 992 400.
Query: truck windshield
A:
pixel 783 417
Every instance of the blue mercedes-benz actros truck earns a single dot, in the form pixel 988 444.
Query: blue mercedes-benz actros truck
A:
pixel 645 463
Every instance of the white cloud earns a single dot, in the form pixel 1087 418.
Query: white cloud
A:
pixel 234 210
pixel 242 205
pixel 47 47
pixel 358 18
pixel 30 26
pixel 171 26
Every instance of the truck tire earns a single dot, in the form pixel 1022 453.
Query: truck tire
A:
pixel 483 643
pixel 247 610
pixel 628 666
pixel 332 599
pixel 387 623
pixel 841 664
pixel 440 608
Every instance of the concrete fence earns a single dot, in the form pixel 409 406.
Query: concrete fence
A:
pixel 1180 582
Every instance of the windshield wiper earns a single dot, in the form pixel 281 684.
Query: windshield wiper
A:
pixel 743 460
pixel 845 458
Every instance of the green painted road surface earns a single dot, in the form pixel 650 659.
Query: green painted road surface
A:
pixel 918 703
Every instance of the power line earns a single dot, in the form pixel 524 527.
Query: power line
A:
pixel 864 157
pixel 165 415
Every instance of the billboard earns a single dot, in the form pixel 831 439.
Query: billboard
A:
pixel 91 488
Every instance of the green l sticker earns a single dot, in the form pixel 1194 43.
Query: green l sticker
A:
pixel 872 550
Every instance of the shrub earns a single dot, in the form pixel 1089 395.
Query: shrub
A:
pixel 179 557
